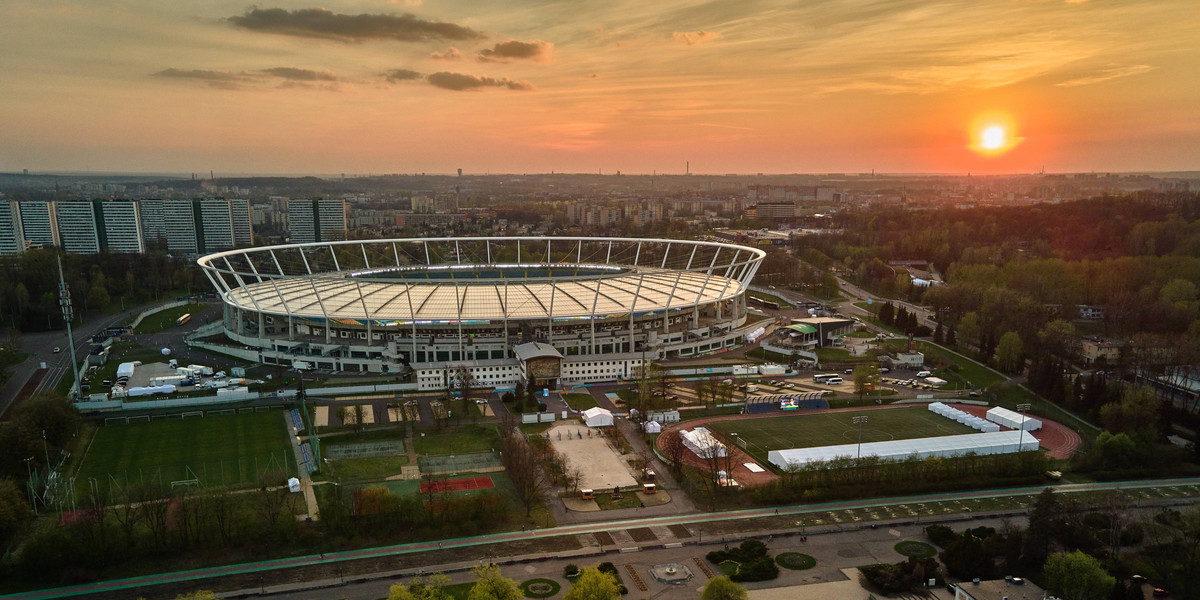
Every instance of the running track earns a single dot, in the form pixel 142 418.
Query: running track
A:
pixel 583 528
pixel 1058 440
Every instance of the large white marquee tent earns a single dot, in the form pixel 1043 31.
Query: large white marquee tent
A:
pixel 998 442
pixel 1016 420
pixel 963 417
pixel 597 417
pixel 700 441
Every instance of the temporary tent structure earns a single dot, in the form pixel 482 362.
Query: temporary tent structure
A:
pixel 652 427
pixel 597 417
pixel 700 441
pixel 1013 419
pixel 999 442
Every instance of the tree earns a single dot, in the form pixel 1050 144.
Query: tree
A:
pixel 594 585
pixel 197 595
pixel 13 508
pixel 491 585
pixel 673 448
pixel 722 588
pixel 887 313
pixel 1077 576
pixel 521 463
pixel 865 376
pixel 1136 413
pixel 968 331
pixel 1010 353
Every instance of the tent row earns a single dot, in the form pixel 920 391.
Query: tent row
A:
pixel 700 441
pixel 1016 420
pixel 997 442
pixel 963 417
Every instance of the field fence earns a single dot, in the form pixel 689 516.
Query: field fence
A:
pixel 244 472
pixel 486 462
pixel 364 449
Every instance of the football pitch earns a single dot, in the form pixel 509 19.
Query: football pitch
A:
pixel 218 451
pixel 761 435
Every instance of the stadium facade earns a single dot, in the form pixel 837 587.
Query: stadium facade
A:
pixel 559 310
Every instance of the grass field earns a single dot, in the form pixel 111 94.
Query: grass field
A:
pixel 232 450
pixel 832 429
pixel 580 401
pixel 368 469
pixel 467 439
pixel 166 318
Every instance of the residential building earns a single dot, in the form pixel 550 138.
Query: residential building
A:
pixel 39 222
pixel 243 228
pixel 12 239
pixel 215 224
pixel 77 228
pixel 1096 349
pixel 320 220
pixel 120 226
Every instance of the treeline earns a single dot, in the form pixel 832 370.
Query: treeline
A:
pixel 873 476
pixel 29 284
pixel 1138 256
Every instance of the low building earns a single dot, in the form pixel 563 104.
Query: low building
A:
pixel 1013 588
pixel 828 329
pixel 1094 349
pixel 908 360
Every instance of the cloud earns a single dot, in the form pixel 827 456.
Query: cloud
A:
pixel 1107 74
pixel 515 50
pixel 450 53
pixel 396 75
pixel 325 24
pixel 692 38
pixel 218 79
pixel 294 74
pixel 462 82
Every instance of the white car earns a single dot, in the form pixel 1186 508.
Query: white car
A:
pixel 57 349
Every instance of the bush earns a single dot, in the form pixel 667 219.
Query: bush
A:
pixel 760 569
pixel 570 571
pixel 508 398
pixel 1132 535
pixel 902 577
pixel 755 563
pixel 940 535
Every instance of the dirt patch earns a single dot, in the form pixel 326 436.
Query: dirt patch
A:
pixel 642 534
pixel 604 538
pixel 680 531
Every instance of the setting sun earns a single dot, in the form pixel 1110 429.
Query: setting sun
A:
pixel 993 138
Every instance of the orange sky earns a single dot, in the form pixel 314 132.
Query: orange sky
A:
pixel 536 86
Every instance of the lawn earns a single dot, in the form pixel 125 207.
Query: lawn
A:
pixel 368 469
pixel 628 500
pixel 580 402
pixel 831 429
pixel 166 318
pixel 783 304
pixel 469 439
pixel 230 450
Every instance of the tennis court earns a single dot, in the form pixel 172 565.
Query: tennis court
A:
pixel 456 485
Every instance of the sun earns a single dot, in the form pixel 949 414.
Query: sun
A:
pixel 993 134
pixel 993 138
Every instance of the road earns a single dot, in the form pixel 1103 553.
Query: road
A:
pixel 699 520
pixel 40 347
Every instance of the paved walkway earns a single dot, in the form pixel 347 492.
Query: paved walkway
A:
pixel 306 483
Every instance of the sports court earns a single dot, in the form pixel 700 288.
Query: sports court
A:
pixel 456 485
pixel 760 435
pixel 600 466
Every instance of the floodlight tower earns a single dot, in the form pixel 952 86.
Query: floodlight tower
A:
pixel 859 421
pixel 1022 408
pixel 64 300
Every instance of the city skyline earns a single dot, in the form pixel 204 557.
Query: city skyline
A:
pixel 412 86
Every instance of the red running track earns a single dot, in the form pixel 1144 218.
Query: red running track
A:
pixel 1057 440
pixel 456 485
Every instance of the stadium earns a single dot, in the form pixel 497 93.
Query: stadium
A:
pixel 558 310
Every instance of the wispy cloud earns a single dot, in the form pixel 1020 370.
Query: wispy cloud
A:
pixel 450 53
pixel 1107 74
pixel 325 24
pixel 692 38
pixel 210 77
pixel 397 75
pixel 464 82
pixel 294 74
pixel 515 50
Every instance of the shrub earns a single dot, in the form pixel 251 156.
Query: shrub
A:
pixel 907 576
pixel 570 571
pixel 940 535
pixel 760 569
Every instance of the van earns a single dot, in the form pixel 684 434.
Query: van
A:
pixel 924 374
pixel 833 381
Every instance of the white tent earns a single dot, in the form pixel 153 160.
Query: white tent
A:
pixel 703 444
pixel 1013 419
pixel 1000 442
pixel 652 427
pixel 597 417
pixel 126 369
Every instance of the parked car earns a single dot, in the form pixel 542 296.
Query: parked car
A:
pixel 57 349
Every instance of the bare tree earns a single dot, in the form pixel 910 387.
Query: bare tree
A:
pixel 671 441
pixel 527 476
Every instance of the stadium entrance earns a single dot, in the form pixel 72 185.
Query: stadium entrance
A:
pixel 540 362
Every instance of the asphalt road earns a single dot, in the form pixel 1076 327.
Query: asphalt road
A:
pixel 697 520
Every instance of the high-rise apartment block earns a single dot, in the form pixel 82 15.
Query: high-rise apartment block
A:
pixel 322 220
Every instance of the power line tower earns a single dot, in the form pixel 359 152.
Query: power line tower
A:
pixel 64 300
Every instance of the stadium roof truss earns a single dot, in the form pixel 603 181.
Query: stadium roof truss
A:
pixel 461 280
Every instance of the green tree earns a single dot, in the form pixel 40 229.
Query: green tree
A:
pixel 1077 576
pixel 13 508
pixel 491 585
pixel 1136 413
pixel 1010 353
pixel 594 585
pixel 197 595
pixel 865 375
pixel 722 588
pixel 968 331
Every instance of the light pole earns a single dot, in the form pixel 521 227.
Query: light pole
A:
pixel 859 421
pixel 64 300
pixel 29 484
pixel 1022 408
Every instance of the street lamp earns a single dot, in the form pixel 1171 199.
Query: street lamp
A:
pixel 859 421
pixel 1022 408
